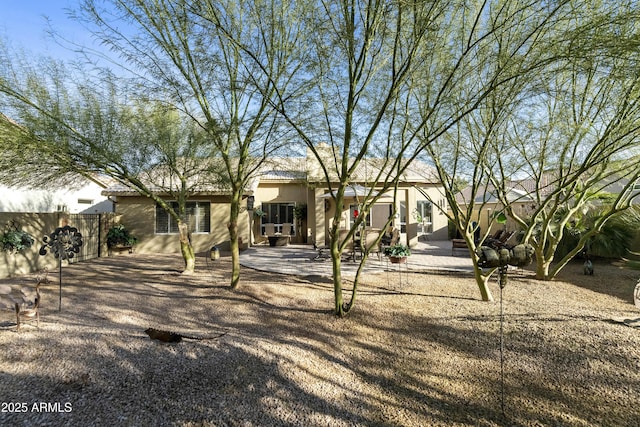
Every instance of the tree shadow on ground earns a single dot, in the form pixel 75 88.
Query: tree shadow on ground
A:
pixel 285 360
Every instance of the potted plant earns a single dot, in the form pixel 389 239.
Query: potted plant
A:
pixel 119 237
pixel 397 253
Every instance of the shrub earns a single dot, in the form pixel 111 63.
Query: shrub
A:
pixel 16 241
pixel 119 235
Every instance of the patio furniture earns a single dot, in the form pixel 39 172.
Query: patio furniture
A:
pixel 322 252
pixel 371 244
pixel 269 229
pixel 352 244
pixel 287 227
pixel 501 241
pixel 279 240
pixel 458 244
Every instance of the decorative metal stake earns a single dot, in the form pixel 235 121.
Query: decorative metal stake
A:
pixel 502 271
pixel 64 243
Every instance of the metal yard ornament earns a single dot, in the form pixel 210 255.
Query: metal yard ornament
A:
pixel 499 255
pixel 64 243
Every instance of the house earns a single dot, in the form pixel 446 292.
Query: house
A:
pixel 84 196
pixel 284 188
pixel 487 206
pixel 521 195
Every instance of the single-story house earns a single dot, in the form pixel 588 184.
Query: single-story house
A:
pixel 487 206
pixel 284 189
pixel 521 194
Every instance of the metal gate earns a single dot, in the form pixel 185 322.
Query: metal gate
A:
pixel 89 226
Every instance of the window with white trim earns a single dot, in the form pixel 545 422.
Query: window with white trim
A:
pixel 198 216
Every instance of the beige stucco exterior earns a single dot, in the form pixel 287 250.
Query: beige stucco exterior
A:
pixel 294 183
pixel 138 215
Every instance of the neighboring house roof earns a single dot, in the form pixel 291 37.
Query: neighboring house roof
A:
pixel 488 194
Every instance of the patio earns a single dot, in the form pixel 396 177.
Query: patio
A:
pixel 299 260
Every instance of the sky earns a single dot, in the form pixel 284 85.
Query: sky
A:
pixel 23 25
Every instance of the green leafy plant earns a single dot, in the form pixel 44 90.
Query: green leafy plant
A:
pixel 118 235
pixel 398 250
pixel 16 241
pixel 259 212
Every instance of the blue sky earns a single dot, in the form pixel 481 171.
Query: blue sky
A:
pixel 23 25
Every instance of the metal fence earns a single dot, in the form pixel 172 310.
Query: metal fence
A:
pixel 89 225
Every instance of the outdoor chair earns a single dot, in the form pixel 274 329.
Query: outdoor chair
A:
pixel 350 247
pixel 286 228
pixel 371 245
pixel 393 240
pixel 269 229
pixel 500 242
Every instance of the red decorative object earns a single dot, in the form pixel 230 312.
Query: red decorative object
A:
pixel 355 213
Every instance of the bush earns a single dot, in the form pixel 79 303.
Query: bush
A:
pixel 397 251
pixel 16 241
pixel 118 235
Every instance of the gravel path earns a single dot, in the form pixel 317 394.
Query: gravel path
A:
pixel 426 353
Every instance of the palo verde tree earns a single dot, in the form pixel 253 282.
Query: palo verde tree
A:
pixel 477 77
pixel 186 52
pixel 357 68
pixel 60 123
pixel 579 136
pixel 387 80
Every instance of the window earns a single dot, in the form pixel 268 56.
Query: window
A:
pixel 278 214
pixel 198 216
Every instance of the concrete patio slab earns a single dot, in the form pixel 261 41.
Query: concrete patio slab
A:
pixel 299 260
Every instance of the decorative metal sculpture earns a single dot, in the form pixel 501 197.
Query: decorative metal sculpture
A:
pixel 64 243
pixel 498 255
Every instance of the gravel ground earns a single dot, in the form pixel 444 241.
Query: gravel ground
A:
pixel 426 353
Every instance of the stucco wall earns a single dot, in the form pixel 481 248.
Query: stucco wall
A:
pixel 138 215
pixel 39 225
pixel 279 192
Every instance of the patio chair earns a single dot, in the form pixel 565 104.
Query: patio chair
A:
pixel 502 241
pixel 286 228
pixel 269 229
pixel 371 244
pixel 350 247
pixel 395 237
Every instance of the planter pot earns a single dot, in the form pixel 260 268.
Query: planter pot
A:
pixel 119 248
pixel 398 259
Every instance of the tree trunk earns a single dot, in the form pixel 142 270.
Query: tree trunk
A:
pixel 482 280
pixel 186 247
pixel 233 239
pixel 483 284
pixel 336 261
pixel 543 263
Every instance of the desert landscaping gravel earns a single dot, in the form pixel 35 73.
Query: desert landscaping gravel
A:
pixel 422 353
